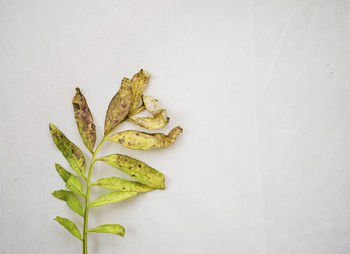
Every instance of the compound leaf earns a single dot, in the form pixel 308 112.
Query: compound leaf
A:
pixel 109 228
pixel 136 169
pixel 138 85
pixel 112 197
pixel 71 200
pixel 71 152
pixel 118 184
pixel 84 120
pixel 143 141
pixel 70 226
pixel 119 106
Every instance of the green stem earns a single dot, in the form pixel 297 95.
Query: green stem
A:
pixel 87 196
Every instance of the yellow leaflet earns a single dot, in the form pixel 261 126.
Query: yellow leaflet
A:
pixel 136 169
pixel 117 184
pixel 138 84
pixel 119 106
pixel 84 120
pixel 112 197
pixel 70 151
pixel 109 228
pixel 143 141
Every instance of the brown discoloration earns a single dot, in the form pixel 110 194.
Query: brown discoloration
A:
pixel 119 106
pixel 84 120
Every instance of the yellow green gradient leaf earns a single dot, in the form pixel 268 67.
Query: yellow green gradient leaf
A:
pixel 71 200
pixel 74 185
pixel 109 228
pixel 118 184
pixel 70 226
pixel 136 169
pixel 62 172
pixel 71 152
pixel 113 197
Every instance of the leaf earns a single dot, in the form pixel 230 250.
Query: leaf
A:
pixel 84 120
pixel 138 84
pixel 62 172
pixel 109 228
pixel 112 197
pixel 136 169
pixel 143 141
pixel 74 185
pixel 70 151
pixel 70 226
pixel 117 184
pixel 71 200
pixel 119 107
pixel 159 118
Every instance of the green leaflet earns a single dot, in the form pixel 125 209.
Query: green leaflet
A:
pixel 117 184
pixel 74 185
pixel 112 197
pixel 70 151
pixel 143 141
pixel 136 169
pixel 62 172
pixel 71 200
pixel 138 85
pixel 109 228
pixel 119 106
pixel 70 226
pixel 84 120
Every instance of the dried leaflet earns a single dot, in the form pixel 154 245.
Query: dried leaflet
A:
pixel 84 120
pixel 71 152
pixel 119 106
pixel 136 169
pixel 159 118
pixel 143 141
pixel 118 184
pixel 138 85
pixel 109 228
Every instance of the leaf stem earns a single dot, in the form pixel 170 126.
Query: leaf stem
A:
pixel 87 195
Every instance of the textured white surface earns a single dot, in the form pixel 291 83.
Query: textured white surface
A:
pixel 261 88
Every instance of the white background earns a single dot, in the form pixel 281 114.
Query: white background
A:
pixel 261 88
